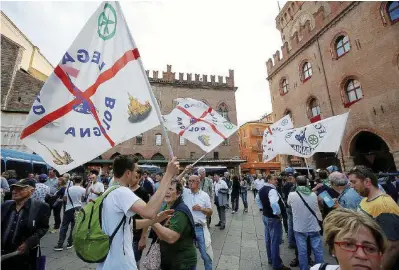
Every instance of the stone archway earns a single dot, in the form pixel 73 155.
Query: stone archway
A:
pixel 371 150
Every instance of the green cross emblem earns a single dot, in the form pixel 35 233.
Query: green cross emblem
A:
pixel 228 125
pixel 107 22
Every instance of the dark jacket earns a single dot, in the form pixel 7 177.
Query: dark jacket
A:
pixel 33 225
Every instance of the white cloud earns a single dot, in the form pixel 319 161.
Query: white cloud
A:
pixel 206 37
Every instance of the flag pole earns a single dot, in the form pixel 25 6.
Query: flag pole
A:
pixel 199 159
pixel 153 99
pixel 307 166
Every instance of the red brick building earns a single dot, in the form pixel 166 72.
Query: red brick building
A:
pixel 336 57
pixel 219 94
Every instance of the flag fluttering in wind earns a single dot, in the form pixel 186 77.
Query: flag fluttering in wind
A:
pixel 323 136
pixel 199 123
pixel 97 97
pixel 283 124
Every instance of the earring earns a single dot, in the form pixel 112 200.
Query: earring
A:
pixel 333 255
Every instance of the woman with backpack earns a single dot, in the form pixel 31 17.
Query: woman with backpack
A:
pixel 176 236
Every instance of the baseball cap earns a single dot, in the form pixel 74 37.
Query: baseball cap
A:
pixel 25 183
pixel 43 176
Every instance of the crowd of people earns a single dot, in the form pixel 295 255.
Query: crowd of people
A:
pixel 358 215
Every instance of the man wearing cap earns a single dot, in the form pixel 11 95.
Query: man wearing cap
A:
pixel 41 189
pixel 24 222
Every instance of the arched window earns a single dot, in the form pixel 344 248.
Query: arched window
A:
pixel 342 45
pixel 139 139
pixel 393 11
pixel 158 139
pixel 139 156
pixel 223 110
pixel 284 86
pixel 306 71
pixel 288 112
pixel 158 156
pixel 115 155
pixel 314 107
pixel 353 90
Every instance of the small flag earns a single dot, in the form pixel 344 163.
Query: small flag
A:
pixel 199 123
pixel 267 143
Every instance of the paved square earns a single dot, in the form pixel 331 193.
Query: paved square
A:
pixel 240 246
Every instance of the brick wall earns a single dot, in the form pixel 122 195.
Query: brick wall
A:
pixel 166 93
pixel 372 60
pixel 11 54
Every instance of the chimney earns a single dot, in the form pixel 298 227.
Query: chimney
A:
pixel 220 79
pixel 196 77
pixel 181 76
pixel 204 78
pixel 168 68
pixel 189 77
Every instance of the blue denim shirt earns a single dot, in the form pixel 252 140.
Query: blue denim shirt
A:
pixel 349 199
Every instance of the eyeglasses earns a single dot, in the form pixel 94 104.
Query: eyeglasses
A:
pixel 368 250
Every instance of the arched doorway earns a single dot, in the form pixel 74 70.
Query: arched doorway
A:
pixel 139 156
pixel 115 155
pixel 323 160
pixel 158 156
pixel 371 150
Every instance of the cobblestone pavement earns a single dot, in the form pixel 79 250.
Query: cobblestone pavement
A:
pixel 240 246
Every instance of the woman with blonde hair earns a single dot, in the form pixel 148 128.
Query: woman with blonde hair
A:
pixel 354 239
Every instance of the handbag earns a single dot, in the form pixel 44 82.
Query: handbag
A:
pixel 40 260
pixel 152 260
pixel 313 213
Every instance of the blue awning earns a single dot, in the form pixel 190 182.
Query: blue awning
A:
pixel 9 154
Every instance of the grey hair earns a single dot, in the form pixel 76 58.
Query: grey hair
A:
pixel 338 179
pixel 201 169
pixel 301 180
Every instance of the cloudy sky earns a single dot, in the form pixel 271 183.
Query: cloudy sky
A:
pixel 195 36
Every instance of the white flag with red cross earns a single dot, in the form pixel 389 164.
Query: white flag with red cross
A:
pixel 284 123
pixel 97 97
pixel 198 123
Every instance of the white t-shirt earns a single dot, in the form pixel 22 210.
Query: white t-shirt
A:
pixel 98 187
pixel 259 183
pixel 202 199
pixel 76 193
pixel 219 185
pixel 303 219
pixel 115 206
pixel 329 267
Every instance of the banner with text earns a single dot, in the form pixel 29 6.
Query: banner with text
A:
pixel 323 136
pixel 97 97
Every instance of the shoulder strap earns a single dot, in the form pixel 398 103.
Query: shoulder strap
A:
pixel 307 206
pixel 323 266
pixel 69 196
